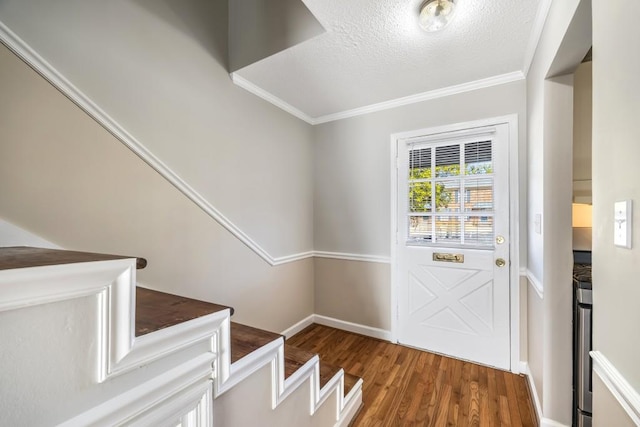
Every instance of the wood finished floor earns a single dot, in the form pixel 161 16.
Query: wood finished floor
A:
pixel 408 387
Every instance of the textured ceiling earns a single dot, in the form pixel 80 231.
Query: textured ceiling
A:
pixel 374 51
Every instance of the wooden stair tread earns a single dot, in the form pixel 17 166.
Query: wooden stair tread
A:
pixel 158 310
pixel 349 382
pixel 25 257
pixel 246 339
pixel 327 371
pixel 294 359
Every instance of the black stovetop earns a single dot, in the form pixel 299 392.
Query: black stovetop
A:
pixel 582 269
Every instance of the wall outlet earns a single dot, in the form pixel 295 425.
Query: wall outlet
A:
pixel 622 224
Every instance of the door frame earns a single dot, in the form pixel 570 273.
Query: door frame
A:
pixel 514 215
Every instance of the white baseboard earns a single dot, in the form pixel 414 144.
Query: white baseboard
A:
pixel 353 327
pixel 532 388
pixel 291 331
pixel 627 396
pixel 544 422
pixel 338 324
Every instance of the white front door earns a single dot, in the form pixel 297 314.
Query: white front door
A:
pixel 453 244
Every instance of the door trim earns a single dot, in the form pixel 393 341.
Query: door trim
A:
pixel 514 215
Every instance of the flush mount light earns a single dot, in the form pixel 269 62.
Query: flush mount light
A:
pixel 436 14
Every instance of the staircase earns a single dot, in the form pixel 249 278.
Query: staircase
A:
pixel 118 354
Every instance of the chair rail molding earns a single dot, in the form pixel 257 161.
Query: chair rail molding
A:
pixel 25 52
pixel 627 396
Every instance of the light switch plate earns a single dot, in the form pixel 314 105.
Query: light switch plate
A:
pixel 538 223
pixel 622 224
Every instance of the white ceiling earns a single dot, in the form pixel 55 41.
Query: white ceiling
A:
pixel 374 52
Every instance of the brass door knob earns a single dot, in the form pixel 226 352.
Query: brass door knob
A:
pixel 500 262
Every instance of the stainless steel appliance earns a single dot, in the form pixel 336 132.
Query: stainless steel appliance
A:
pixel 582 339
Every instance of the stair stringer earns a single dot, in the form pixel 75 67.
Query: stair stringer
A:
pixel 272 355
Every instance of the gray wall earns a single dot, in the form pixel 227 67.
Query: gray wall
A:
pixel 64 178
pixel 159 69
pixel 261 28
pixel 352 180
pixel 616 108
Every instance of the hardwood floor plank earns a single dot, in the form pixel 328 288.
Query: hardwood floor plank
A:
pixel 443 406
pixel 407 387
pixel 465 395
pixel 524 402
pixel 505 416
pixel 494 406
pixel 295 358
pixel 246 339
pixel 513 400
pixel 483 388
pixel 158 310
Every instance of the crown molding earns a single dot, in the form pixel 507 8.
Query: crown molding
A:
pixel 381 106
pixel 269 97
pixel 424 96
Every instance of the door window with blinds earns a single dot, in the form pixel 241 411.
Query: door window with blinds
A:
pixel 451 194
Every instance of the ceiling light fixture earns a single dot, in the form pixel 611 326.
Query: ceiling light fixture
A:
pixel 436 14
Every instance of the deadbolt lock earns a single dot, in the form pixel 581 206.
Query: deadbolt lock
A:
pixel 499 240
pixel 501 262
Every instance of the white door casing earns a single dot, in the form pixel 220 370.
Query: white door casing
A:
pixel 458 308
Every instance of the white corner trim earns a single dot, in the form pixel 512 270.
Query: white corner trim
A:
pixel 248 365
pixel 351 406
pixel 535 283
pixel 536 33
pixel 272 355
pixel 544 422
pixel 353 327
pixel 627 396
pixel 304 373
pixel 269 97
pixel 424 96
pixel 153 346
pixel 53 76
pixel 298 327
pixel 353 257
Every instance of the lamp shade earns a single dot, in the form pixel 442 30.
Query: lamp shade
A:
pixel 582 214
pixel 436 14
